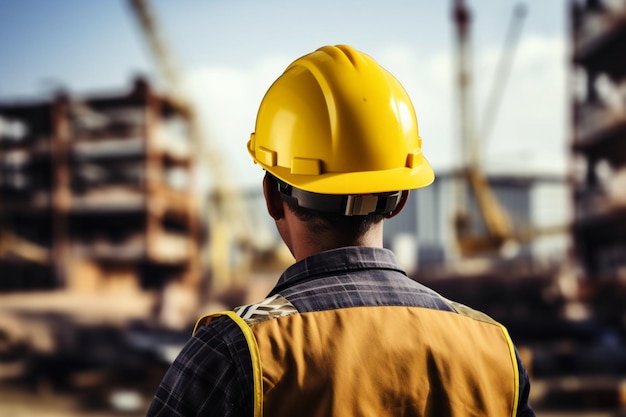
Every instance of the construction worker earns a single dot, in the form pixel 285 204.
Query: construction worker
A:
pixel 344 332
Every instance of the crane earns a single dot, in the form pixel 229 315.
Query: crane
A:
pixel 498 226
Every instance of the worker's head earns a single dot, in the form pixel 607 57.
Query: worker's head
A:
pixel 337 134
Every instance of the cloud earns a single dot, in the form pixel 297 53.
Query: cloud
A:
pixel 227 100
pixel 530 129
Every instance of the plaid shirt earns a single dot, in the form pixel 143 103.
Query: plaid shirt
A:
pixel 212 376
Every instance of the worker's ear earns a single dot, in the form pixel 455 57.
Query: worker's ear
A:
pixel 403 198
pixel 273 200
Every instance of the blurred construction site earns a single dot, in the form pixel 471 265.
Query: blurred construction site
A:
pixel 109 252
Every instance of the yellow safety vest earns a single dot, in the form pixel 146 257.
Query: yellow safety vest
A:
pixel 377 361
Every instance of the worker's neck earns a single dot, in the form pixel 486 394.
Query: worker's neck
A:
pixel 305 244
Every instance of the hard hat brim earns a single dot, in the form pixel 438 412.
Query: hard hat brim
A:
pixel 359 182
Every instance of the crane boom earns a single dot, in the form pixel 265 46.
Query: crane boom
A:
pixel 160 52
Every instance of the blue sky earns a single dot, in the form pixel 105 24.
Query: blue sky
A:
pixel 231 50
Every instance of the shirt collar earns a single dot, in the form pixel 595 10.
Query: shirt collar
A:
pixel 337 262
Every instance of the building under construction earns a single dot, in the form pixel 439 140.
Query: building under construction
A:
pixel 599 153
pixel 98 216
pixel 96 192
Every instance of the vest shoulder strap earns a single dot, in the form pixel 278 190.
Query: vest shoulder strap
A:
pixel 246 316
pixel 255 356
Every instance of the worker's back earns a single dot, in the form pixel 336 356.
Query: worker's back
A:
pixel 382 345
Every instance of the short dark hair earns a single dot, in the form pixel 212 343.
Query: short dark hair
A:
pixel 320 221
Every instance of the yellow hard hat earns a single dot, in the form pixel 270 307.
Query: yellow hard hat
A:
pixel 336 122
